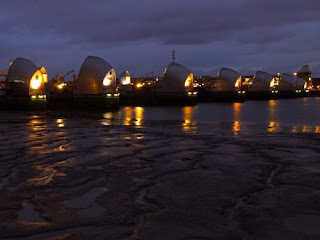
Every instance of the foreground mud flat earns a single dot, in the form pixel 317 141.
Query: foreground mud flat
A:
pixel 94 179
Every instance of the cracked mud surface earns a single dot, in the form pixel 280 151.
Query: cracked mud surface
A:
pixel 85 179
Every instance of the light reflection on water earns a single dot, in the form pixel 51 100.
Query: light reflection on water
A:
pixel 188 123
pixel 294 115
pixel 60 123
pixel 46 138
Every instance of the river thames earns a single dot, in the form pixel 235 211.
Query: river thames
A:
pixel 213 171
pixel 295 115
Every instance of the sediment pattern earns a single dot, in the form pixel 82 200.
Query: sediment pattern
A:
pixel 87 179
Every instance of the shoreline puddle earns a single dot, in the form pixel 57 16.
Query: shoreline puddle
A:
pixel 86 204
pixel 28 214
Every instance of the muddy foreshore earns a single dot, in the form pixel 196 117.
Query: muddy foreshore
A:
pixel 93 179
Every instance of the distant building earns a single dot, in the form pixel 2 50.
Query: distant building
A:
pixel 228 80
pixel 178 79
pixel 95 86
pixel 28 79
pixel 306 75
pixel 291 86
pixel 125 78
pixel 96 77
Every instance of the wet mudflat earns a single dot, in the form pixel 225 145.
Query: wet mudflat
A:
pixel 96 179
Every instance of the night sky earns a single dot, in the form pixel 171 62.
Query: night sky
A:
pixel 138 35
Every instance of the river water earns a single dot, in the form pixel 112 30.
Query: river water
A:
pixel 212 171
pixel 301 115
pixel 294 115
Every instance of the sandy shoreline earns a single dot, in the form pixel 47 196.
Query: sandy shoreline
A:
pixel 81 179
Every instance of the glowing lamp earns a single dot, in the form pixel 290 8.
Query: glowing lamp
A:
pixel 188 81
pixel 127 80
pixel 272 83
pixel 106 82
pixel 108 79
pixel 238 83
pixel 139 85
pixel 61 85
pixel 36 82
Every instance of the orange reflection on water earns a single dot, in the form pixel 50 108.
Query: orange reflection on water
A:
pixel 187 115
pixel 236 127
pixel 237 111
pixel 139 111
pixel 294 129
pixel 128 112
pixel 60 123
pixel 110 118
pixel 36 124
pixel 272 109
pixel 133 115
pixel 43 139
pixel 47 173
pixel 35 127
pixel 305 129
pixel 273 127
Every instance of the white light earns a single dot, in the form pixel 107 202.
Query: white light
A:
pixel 36 82
pixel 189 81
pixel 106 82
pixel 272 83
pixel 38 96
pixel 128 80
pixel 108 79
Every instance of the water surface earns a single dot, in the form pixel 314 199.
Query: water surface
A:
pixel 295 115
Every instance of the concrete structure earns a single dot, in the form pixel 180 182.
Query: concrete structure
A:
pixel 263 85
pixel 226 87
pixel 26 78
pixel 306 75
pixel 96 77
pixel 124 78
pixel 177 83
pixel 24 86
pixel 228 80
pixel 95 86
pixel 177 79
pixel 291 86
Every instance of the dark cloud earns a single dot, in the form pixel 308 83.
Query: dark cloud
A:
pixel 244 34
